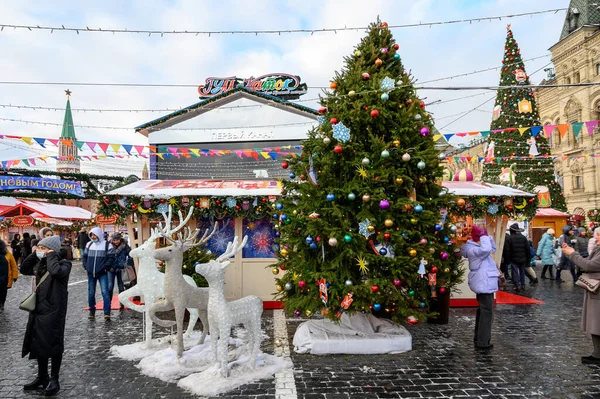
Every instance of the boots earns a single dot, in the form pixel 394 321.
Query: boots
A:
pixel 38 383
pixel 53 387
pixel 544 270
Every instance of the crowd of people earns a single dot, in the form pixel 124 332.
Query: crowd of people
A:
pixel 48 260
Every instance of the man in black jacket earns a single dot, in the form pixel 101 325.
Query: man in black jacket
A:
pixel 518 255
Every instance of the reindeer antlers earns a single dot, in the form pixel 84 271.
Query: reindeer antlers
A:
pixel 188 238
pixel 166 231
pixel 232 249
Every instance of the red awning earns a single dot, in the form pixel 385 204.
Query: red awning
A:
pixel 550 212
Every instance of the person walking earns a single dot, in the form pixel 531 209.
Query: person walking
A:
pixel 590 318
pixel 82 239
pixel 45 333
pixel 26 245
pixel 518 255
pixel 483 281
pixel 564 262
pixel 15 245
pixel 545 251
pixel 98 259
pixel 121 253
pixel 9 273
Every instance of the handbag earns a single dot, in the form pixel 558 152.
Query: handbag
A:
pixel 589 284
pixel 28 303
pixel 128 274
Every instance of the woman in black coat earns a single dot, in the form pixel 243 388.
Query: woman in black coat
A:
pixel 44 337
pixel 15 245
pixel 26 245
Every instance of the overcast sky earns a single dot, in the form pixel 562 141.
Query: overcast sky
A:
pixel 429 52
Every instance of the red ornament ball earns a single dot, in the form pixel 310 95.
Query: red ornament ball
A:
pixel 366 76
pixel 264 201
pixel 162 200
pixel 338 149
pixel 285 165
pixel 384 24
pixel 442 290
pixel 422 105
pixel 133 206
pixel 301 283
pixel 196 204
pixel 106 200
pixel 237 207
pixel 396 46
pixel 374 288
pixel 219 202
pixel 282 266
pixel 374 113
pixel 434 269
pixel 322 110
pixel 387 236
pixel 333 121
pixel 408 102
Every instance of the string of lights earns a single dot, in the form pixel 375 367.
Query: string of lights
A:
pixel 209 33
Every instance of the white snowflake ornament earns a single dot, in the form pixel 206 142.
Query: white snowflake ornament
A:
pixel 363 228
pixel 341 133
pixel 387 83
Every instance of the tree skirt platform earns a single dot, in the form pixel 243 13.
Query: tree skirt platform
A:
pixel 114 304
pixel 506 298
pixel 356 334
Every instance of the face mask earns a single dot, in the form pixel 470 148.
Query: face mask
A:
pixel 40 254
pixel 94 240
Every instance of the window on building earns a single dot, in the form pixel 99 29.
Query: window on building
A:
pixel 576 78
pixel 597 69
pixel 573 17
pixel 567 81
pixel 578 182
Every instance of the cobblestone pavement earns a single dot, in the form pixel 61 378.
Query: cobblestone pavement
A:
pixel 536 355
pixel 537 350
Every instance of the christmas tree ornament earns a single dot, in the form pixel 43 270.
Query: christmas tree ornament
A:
pixel 333 242
pixel 412 252
pixel 388 223
pixel 308 313
pixel 363 228
pixel 424 131
pixel 422 179
pixel 348 283
pixel 366 198
pixel 297 313
pixel 366 161
pixel 292 176
pixel 438 227
pixel 283 217
pixel 301 283
pixel 411 292
pixel 387 236
pixel 386 84
pixel 412 320
pixel 399 180
pixel 374 113
pixel 414 221
pixel 384 50
pixel 313 246
pixel 326 140
pixel 275 270
pixel 396 143
pixel 285 164
pixel 341 133
pixel 366 76
pixel 421 165
pixel 322 110
pixel 431 250
pixel 333 121
pixel 347 238
pixel 423 241
pixel 374 289
pixel 442 290
pixel 308 239
pixel 377 307
pixel 385 97
pixel 406 157
pixel 434 269
pixel 357 53
pixel 460 202
pixel 330 197
pixel 321 119
pixel 370 228
pixel 408 207
pixel 453 229
pixel 441 156
pixel 378 62
pixel 384 204
pixel 397 282
pixel 279 206
pixel 418 208
pixel 383 251
pixel 444 255
pixel 283 252
pixel 383 25
pixel 397 57
pixel 288 286
pixel 396 46
pixel 351 196
pixel 385 154
pixel 447 270
pixel 417 117
pixel 351 93
pixel 337 149
pixel 333 85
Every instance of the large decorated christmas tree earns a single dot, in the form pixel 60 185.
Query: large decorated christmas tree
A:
pixel 362 224
pixel 517 151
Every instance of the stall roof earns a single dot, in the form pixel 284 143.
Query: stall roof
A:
pixel 551 212
pixel 46 210
pixel 478 188
pixel 178 188
pixel 58 222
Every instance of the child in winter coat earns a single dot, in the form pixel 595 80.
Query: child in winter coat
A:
pixel 545 251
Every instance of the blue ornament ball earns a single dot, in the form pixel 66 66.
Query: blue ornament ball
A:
pixel 330 197
pixel 438 227
pixel 446 239
pixel 275 216
pixel 292 175
pixel 309 239
pixel 422 304
pixel 385 97
pixel 418 208
pixel 382 251
pixel 377 307
pixel 313 245
pixel 283 217
pixel 279 206
pixel 397 56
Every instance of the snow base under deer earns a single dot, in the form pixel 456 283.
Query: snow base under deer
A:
pixel 359 334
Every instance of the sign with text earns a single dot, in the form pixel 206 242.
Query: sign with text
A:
pixel 275 84
pixel 24 220
pixel 106 219
pixel 41 183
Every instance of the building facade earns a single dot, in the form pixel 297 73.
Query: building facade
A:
pixel 576 59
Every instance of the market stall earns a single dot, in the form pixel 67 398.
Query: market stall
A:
pixel 485 205
pixel 546 218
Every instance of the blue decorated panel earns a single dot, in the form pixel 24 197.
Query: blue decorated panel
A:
pixel 224 234
pixel 261 243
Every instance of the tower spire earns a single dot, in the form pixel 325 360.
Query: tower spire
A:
pixel 68 130
pixel 68 157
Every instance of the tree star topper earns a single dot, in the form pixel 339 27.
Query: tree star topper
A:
pixel 363 228
pixel 341 133
pixel 387 83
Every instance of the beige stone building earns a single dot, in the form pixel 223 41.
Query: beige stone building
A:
pixel 576 59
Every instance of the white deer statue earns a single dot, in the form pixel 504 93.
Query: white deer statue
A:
pixel 223 315
pixel 151 285
pixel 178 293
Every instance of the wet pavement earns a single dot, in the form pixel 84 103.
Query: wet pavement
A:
pixel 537 351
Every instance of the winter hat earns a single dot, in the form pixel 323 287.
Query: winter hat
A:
pixel 566 229
pixel 551 232
pixel 515 227
pixel 52 243
pixel 477 233
pixel 116 236
pixel 582 230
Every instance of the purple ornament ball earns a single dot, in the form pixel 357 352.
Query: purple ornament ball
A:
pixel 444 255
pixel 424 131
pixel 277 234
pixel 397 283
pixel 297 313
pixel 384 204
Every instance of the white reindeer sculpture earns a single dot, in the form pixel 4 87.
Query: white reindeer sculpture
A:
pixel 223 315
pixel 151 285
pixel 179 294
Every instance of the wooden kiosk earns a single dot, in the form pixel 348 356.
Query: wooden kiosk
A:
pixel 487 205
